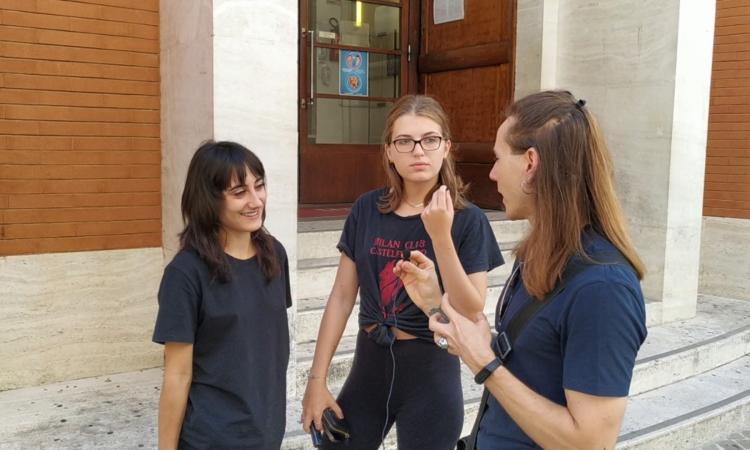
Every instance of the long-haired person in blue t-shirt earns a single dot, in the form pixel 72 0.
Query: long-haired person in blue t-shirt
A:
pixel 565 381
pixel 222 311
pixel 399 375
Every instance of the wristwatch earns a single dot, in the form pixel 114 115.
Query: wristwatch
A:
pixel 487 370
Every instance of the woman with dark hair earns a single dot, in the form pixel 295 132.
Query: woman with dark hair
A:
pixel 572 316
pixel 398 374
pixel 222 311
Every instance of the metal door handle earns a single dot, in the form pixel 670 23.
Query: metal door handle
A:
pixel 313 57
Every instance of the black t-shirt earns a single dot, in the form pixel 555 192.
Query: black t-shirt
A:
pixel 375 242
pixel 240 340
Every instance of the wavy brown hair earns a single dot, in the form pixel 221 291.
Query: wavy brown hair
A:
pixel 212 169
pixel 573 186
pixel 423 106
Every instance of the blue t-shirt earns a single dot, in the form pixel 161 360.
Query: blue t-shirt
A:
pixel 376 241
pixel 586 340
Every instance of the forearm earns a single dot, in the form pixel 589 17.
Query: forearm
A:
pixel 466 298
pixel 548 424
pixel 172 404
pixel 332 327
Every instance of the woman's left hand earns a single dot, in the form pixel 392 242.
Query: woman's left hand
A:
pixel 438 215
pixel 469 339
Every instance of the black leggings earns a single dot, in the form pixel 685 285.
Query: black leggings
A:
pixel 426 402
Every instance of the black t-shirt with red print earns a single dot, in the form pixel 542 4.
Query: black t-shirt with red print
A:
pixel 376 241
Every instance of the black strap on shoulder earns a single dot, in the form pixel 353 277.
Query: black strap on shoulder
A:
pixel 503 344
pixel 519 321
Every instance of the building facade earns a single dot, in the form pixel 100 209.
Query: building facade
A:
pixel 104 101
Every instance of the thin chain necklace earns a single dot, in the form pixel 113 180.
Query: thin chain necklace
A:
pixel 414 205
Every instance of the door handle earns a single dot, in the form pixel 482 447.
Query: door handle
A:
pixel 313 57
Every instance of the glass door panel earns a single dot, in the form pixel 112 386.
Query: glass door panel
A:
pixel 354 64
pixel 356 24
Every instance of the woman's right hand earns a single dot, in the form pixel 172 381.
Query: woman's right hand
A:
pixel 317 399
pixel 420 280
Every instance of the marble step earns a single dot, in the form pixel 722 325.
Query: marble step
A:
pixel 690 382
pixel 718 334
pixel 700 394
pixel 690 412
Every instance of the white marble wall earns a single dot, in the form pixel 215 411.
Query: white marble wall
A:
pixel 255 103
pixel 229 72
pixel 528 47
pixel 186 101
pixel 74 315
pixel 650 91
pixel 687 164
pixel 725 267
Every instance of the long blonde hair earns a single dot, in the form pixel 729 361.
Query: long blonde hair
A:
pixel 423 106
pixel 573 186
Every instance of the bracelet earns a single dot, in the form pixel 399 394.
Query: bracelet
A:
pixel 442 318
pixel 434 311
pixel 314 377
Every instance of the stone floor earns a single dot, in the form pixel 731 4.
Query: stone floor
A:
pixel 733 441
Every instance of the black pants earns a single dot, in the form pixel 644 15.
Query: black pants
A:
pixel 426 402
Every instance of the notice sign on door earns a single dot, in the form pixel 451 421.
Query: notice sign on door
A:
pixel 353 73
pixel 447 11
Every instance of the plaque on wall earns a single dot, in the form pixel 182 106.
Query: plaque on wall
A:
pixel 444 11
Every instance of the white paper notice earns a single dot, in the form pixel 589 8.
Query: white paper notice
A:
pixel 447 10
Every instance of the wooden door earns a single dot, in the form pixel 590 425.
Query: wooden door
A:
pixel 468 65
pixel 353 65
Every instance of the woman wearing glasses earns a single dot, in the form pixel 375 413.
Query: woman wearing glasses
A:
pixel 399 374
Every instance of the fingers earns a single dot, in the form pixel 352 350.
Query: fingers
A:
pixel 438 197
pixel 306 421
pixel 403 268
pixel 448 310
pixel 337 409
pixel 420 259
pixel 439 327
pixel 448 201
pixel 438 200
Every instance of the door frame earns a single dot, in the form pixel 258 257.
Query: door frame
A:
pixel 409 54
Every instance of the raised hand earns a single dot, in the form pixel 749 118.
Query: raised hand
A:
pixel 420 280
pixel 438 215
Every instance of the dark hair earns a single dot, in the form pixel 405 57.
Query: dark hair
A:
pixel 573 186
pixel 211 171
pixel 422 106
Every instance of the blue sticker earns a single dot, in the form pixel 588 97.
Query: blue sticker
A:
pixel 353 73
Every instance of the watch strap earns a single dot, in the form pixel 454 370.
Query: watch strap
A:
pixel 487 370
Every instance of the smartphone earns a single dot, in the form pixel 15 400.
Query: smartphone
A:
pixel 317 438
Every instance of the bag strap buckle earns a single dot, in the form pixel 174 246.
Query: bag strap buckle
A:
pixel 502 346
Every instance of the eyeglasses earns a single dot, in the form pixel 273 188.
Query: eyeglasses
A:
pixel 428 144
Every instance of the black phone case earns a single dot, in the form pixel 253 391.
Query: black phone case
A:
pixel 336 429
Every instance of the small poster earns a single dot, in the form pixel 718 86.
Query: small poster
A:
pixel 353 73
pixel 447 11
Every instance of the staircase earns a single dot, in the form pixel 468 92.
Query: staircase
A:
pixel 691 383
pixel 675 399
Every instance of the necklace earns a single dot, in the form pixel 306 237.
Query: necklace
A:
pixel 414 205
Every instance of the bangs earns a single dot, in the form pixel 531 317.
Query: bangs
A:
pixel 234 168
